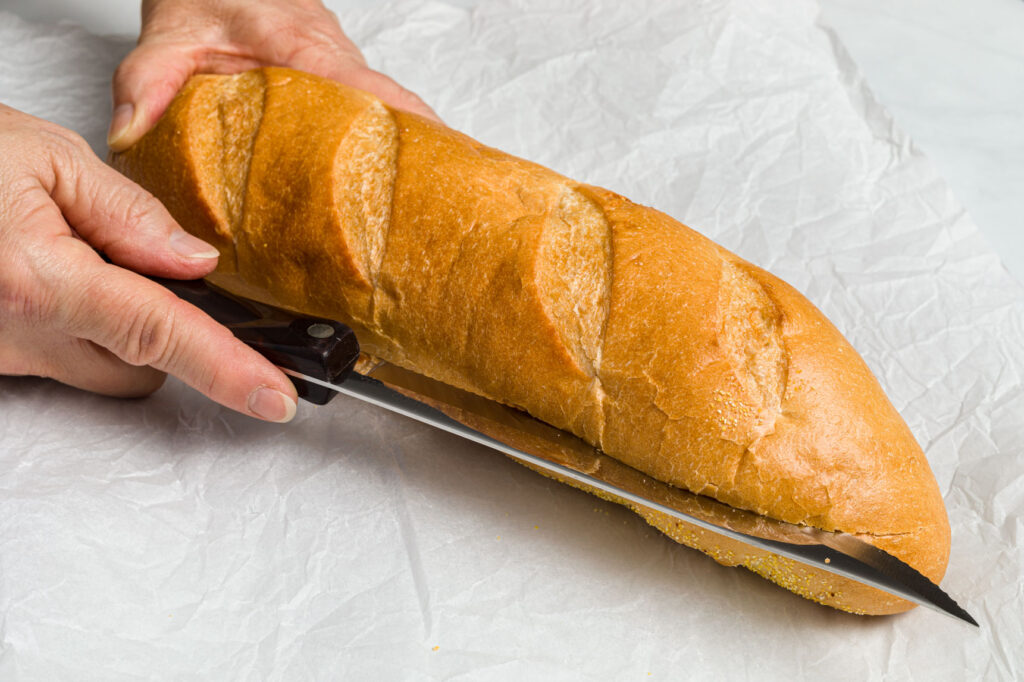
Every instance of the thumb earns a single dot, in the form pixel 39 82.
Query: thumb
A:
pixel 144 84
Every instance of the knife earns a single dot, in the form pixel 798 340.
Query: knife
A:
pixel 320 356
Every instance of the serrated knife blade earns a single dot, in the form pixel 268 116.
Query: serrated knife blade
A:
pixel 407 393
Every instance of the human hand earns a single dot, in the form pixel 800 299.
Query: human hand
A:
pixel 66 314
pixel 180 38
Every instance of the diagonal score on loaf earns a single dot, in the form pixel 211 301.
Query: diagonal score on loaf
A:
pixel 751 337
pixel 574 285
pixel 363 194
pixel 239 111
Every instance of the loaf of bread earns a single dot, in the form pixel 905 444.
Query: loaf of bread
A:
pixel 596 315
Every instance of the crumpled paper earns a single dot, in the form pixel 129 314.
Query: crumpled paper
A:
pixel 170 538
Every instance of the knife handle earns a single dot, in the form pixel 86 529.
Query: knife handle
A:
pixel 323 349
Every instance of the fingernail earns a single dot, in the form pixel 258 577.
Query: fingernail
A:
pixel 271 405
pixel 188 246
pixel 120 122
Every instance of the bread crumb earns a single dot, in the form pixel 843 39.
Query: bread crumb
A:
pixel 436 648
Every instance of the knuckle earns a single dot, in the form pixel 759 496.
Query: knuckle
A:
pixel 129 65
pixel 208 381
pixel 39 149
pixel 63 143
pixel 328 33
pixel 138 208
pixel 148 336
pixel 315 57
pixel 270 22
pixel 23 304
pixel 136 63
pixel 157 68
pixel 137 216
pixel 312 41
pixel 62 150
pixel 125 73
pixel 23 298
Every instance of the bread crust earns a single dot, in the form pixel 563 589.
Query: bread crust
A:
pixel 590 312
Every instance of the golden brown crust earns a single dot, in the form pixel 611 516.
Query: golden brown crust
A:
pixel 592 313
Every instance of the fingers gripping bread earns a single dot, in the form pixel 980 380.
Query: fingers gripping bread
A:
pixel 592 313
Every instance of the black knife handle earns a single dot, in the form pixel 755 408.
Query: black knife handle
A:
pixel 319 348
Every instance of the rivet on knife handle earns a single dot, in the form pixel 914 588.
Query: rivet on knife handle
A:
pixel 323 349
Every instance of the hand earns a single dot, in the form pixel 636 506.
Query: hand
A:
pixel 66 314
pixel 182 37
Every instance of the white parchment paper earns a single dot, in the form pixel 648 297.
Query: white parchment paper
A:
pixel 169 538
